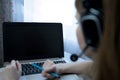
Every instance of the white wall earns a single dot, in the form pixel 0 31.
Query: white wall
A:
pixel 55 11
pixel 28 10
pixel 50 10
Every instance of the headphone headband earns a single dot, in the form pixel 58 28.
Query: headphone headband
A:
pixel 97 4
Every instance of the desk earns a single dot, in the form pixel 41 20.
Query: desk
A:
pixel 64 77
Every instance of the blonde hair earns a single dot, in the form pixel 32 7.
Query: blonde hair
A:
pixel 79 7
pixel 107 63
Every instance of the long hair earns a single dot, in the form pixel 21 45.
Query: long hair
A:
pixel 107 62
pixel 79 7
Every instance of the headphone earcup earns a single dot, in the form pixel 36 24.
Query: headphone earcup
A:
pixel 91 27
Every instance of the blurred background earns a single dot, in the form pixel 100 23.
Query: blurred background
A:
pixel 62 11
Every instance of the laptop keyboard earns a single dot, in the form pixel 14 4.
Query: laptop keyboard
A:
pixel 28 69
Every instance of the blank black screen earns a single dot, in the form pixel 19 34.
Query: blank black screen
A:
pixel 26 41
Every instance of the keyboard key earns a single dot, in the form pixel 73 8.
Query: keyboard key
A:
pixel 28 69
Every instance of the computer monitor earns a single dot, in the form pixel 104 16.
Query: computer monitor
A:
pixel 28 40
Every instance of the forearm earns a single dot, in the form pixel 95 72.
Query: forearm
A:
pixel 77 67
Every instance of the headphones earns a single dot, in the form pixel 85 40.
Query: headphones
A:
pixel 92 24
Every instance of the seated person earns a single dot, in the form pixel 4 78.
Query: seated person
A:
pixel 79 32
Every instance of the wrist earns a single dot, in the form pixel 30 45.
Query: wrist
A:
pixel 59 68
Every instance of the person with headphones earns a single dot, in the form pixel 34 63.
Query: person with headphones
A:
pixel 106 65
pixel 89 32
pixel 77 67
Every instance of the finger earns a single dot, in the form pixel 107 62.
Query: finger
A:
pixel 50 69
pixel 47 63
pixel 19 67
pixel 46 75
pixel 13 63
pixel 49 76
pixel 50 62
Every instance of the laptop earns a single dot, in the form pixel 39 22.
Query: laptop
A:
pixel 32 42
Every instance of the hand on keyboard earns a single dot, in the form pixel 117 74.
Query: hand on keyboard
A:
pixel 11 72
pixel 28 69
pixel 49 66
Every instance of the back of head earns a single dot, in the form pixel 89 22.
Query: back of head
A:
pixel 107 64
